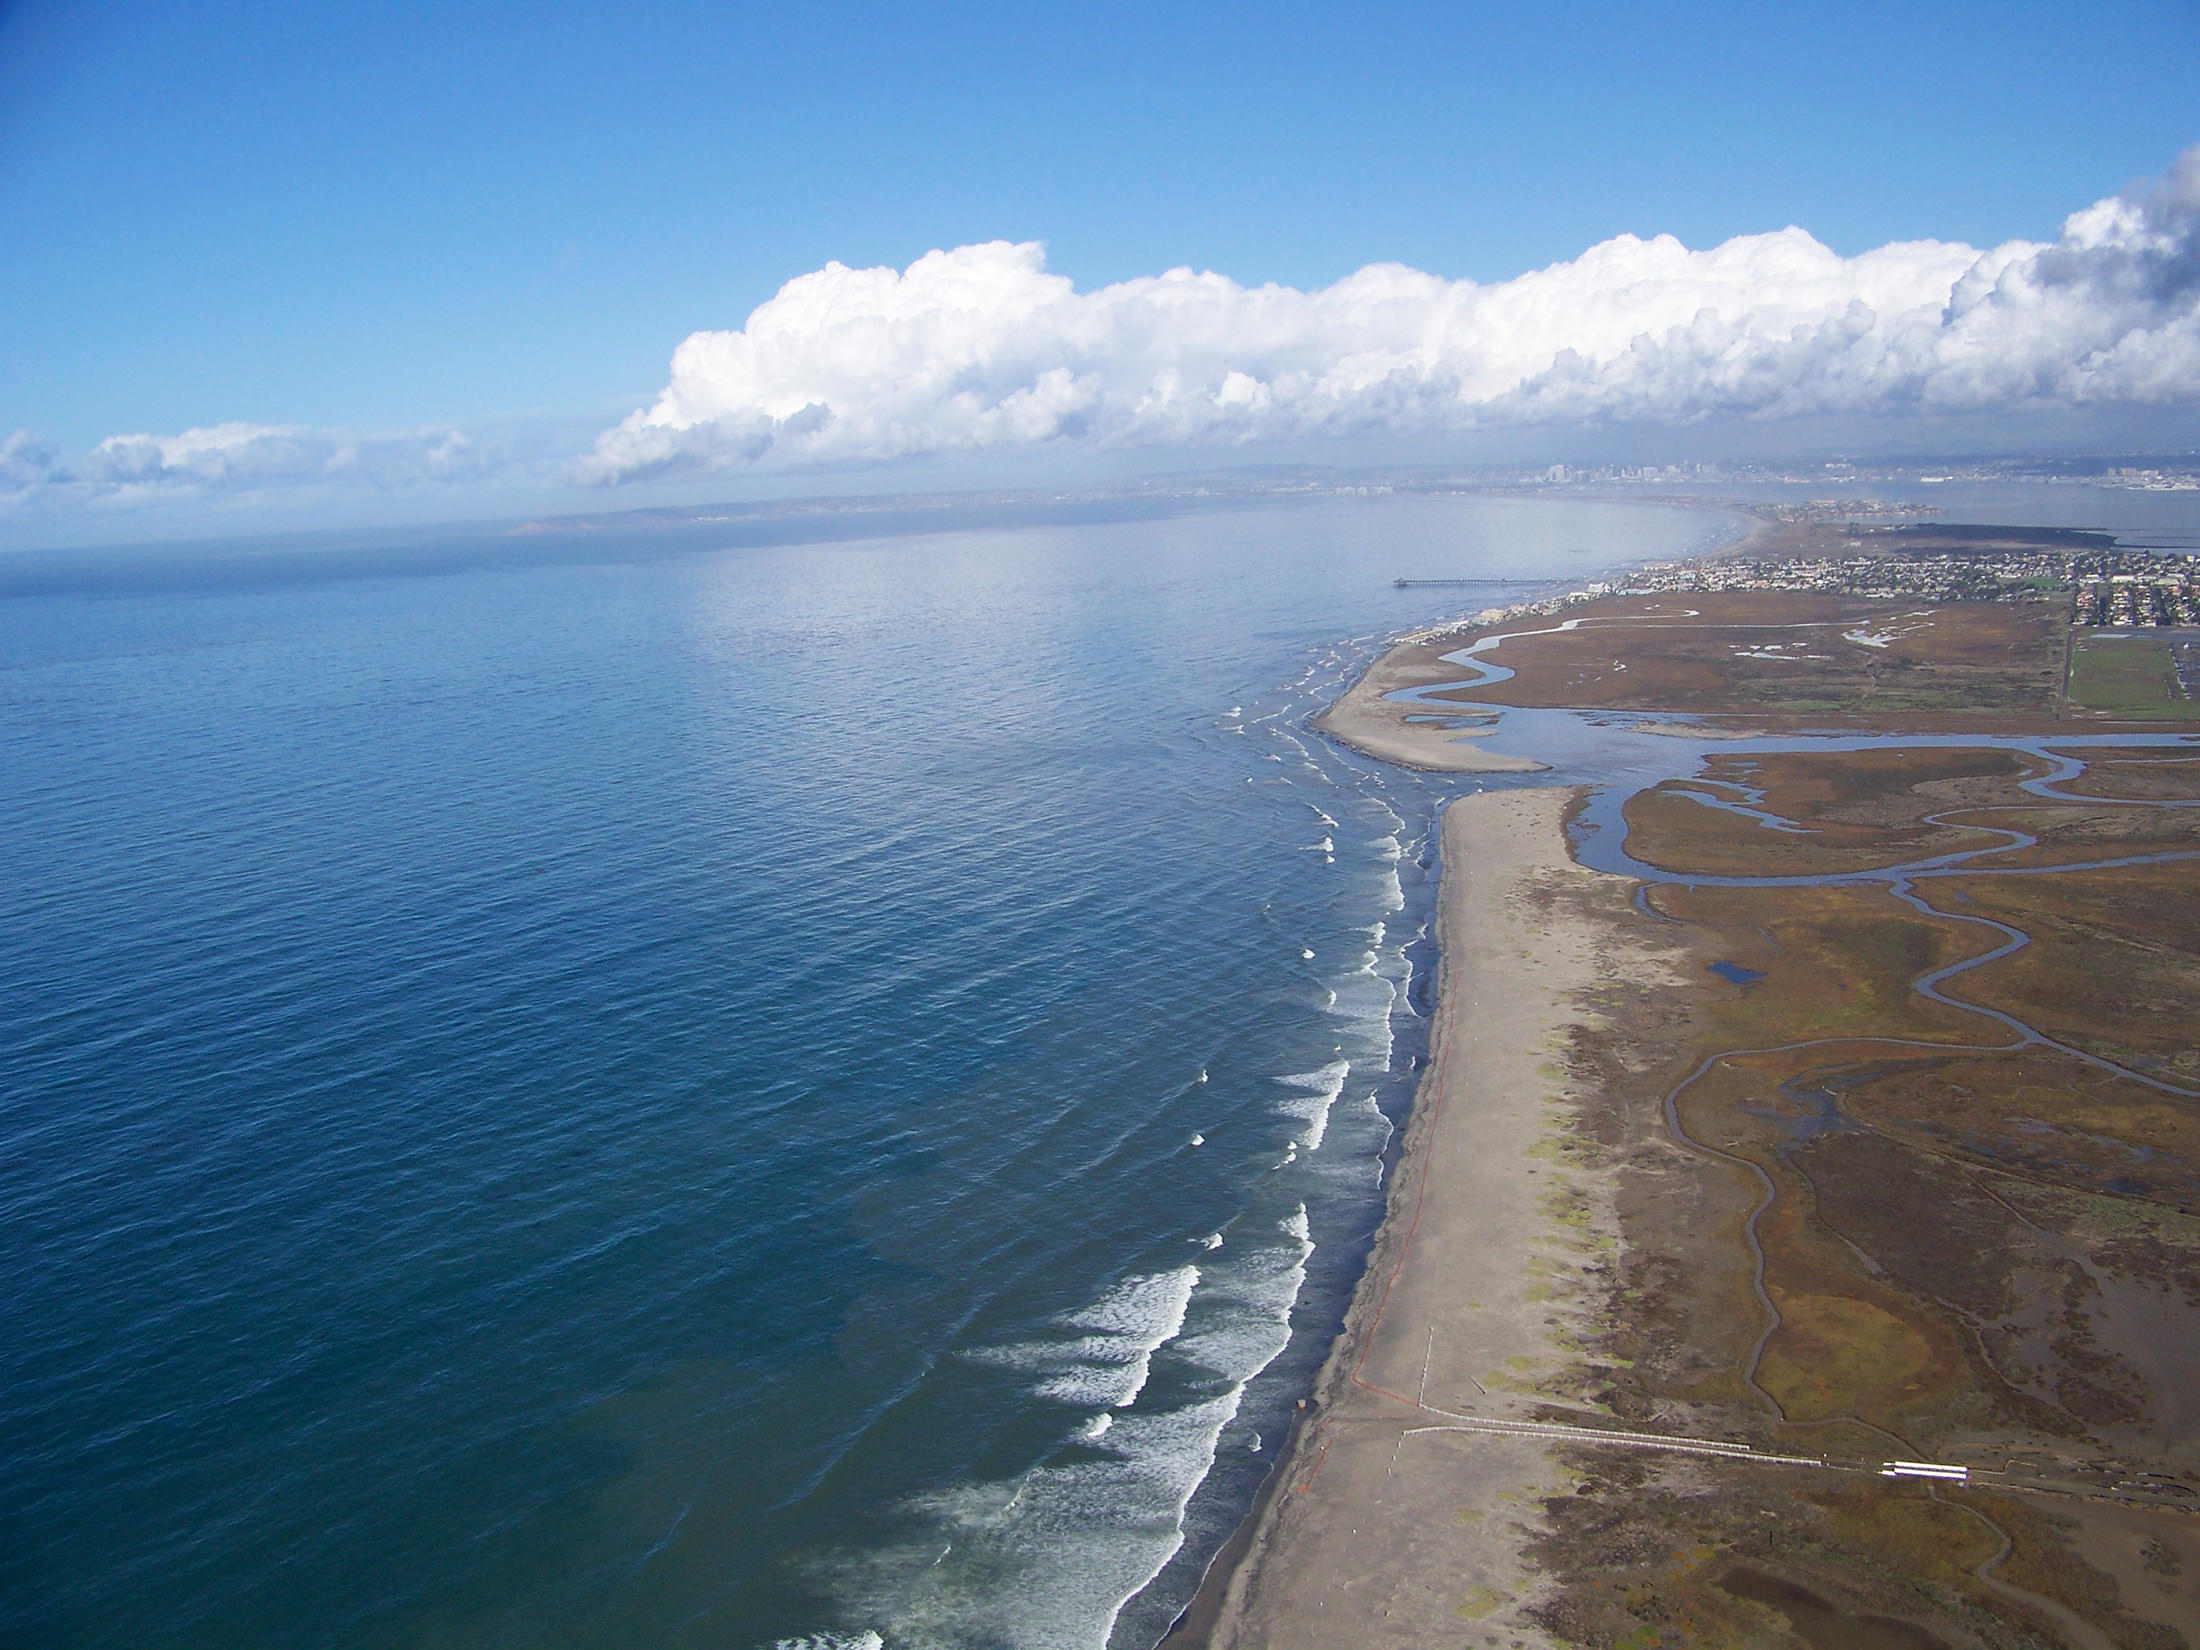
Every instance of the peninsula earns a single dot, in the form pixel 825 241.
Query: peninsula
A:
pixel 1797 1233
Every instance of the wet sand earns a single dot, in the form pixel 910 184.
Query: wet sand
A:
pixel 1372 725
pixel 1376 1532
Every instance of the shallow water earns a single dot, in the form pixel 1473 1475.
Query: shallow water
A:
pixel 1620 755
pixel 643 1089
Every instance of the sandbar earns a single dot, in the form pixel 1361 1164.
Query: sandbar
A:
pixel 1378 727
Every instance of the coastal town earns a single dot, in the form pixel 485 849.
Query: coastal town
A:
pixel 2104 590
pixel 2106 586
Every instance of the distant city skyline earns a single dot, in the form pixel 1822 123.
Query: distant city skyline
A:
pixel 401 263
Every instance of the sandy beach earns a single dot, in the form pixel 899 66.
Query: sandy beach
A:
pixel 1486 1275
pixel 1377 727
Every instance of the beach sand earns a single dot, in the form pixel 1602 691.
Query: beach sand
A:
pixel 1481 1282
pixel 1372 725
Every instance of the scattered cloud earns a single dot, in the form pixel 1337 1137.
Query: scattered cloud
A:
pixel 25 462
pixel 230 456
pixel 982 349
pixel 240 460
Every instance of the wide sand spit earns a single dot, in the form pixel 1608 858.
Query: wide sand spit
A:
pixel 1379 1529
pixel 1383 728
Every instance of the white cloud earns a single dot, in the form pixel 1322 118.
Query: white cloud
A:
pixel 232 457
pixel 981 349
pixel 25 462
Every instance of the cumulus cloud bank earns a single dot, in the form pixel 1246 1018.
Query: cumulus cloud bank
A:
pixel 981 349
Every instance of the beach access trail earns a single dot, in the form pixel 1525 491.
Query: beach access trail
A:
pixel 1393 1523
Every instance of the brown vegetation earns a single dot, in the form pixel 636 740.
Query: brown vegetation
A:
pixel 1988 1251
pixel 1781 654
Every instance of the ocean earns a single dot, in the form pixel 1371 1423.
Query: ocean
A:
pixel 818 1082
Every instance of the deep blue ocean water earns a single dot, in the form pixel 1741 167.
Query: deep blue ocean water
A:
pixel 641 1088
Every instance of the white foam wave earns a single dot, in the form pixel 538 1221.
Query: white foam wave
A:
pixel 1048 1560
pixel 1322 1088
pixel 1246 1306
pixel 1098 1384
pixel 1328 1077
pixel 1049 1563
pixel 1109 1367
pixel 832 1641
pixel 1365 999
pixel 1149 1309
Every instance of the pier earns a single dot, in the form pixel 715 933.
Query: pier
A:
pixel 1418 584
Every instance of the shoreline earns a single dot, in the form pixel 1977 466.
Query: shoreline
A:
pixel 1469 1302
pixel 1367 720
pixel 1428 1488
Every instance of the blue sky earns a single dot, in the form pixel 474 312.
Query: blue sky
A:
pixel 378 216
